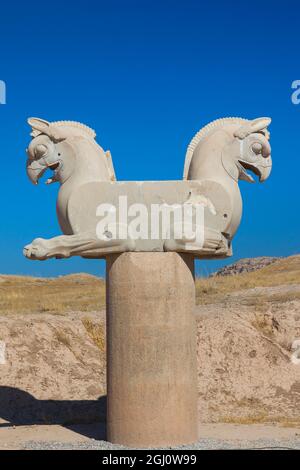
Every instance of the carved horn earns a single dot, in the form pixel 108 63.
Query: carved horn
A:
pixel 250 127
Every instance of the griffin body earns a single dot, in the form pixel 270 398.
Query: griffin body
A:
pixel 218 156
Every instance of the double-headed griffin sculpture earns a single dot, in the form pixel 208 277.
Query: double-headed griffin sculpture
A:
pixel 222 153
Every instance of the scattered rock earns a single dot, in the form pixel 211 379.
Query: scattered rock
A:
pixel 246 265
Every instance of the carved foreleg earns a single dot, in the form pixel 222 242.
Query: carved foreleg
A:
pixel 213 243
pixel 65 246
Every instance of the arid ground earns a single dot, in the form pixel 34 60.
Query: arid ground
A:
pixel 53 331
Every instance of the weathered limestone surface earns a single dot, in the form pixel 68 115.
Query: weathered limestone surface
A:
pixel 151 359
pixel 220 154
pixel 150 301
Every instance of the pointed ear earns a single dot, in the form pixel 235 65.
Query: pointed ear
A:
pixel 260 124
pixel 38 124
pixel 45 127
pixel 250 127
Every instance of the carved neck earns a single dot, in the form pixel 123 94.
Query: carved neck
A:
pixel 90 163
pixel 217 172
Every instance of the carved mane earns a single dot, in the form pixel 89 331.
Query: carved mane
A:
pixel 202 134
pixel 89 133
pixel 86 131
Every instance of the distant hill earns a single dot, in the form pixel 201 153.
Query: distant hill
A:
pixel 246 265
pixel 282 271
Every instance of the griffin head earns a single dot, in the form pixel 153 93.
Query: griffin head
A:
pixel 51 148
pixel 249 151
pixel 44 150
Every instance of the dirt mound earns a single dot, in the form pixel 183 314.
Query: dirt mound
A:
pixel 54 370
pixel 246 372
pixel 55 366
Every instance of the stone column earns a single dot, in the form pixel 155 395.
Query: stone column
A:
pixel 151 350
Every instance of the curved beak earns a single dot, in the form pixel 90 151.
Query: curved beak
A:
pixel 265 168
pixel 262 170
pixel 35 170
pixel 265 171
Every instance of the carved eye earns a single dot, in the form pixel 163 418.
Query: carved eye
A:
pixel 40 150
pixel 257 148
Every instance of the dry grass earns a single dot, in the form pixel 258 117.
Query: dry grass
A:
pixel 255 418
pixel 63 338
pixel 214 289
pixel 61 295
pixel 255 412
pixel 96 332
pixel 261 418
pixel 85 293
pixel 66 340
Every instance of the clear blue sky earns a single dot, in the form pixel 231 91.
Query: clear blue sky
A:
pixel 147 75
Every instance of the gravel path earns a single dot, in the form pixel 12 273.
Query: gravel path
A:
pixel 91 436
pixel 204 444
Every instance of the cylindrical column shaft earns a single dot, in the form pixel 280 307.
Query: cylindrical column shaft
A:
pixel 151 350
